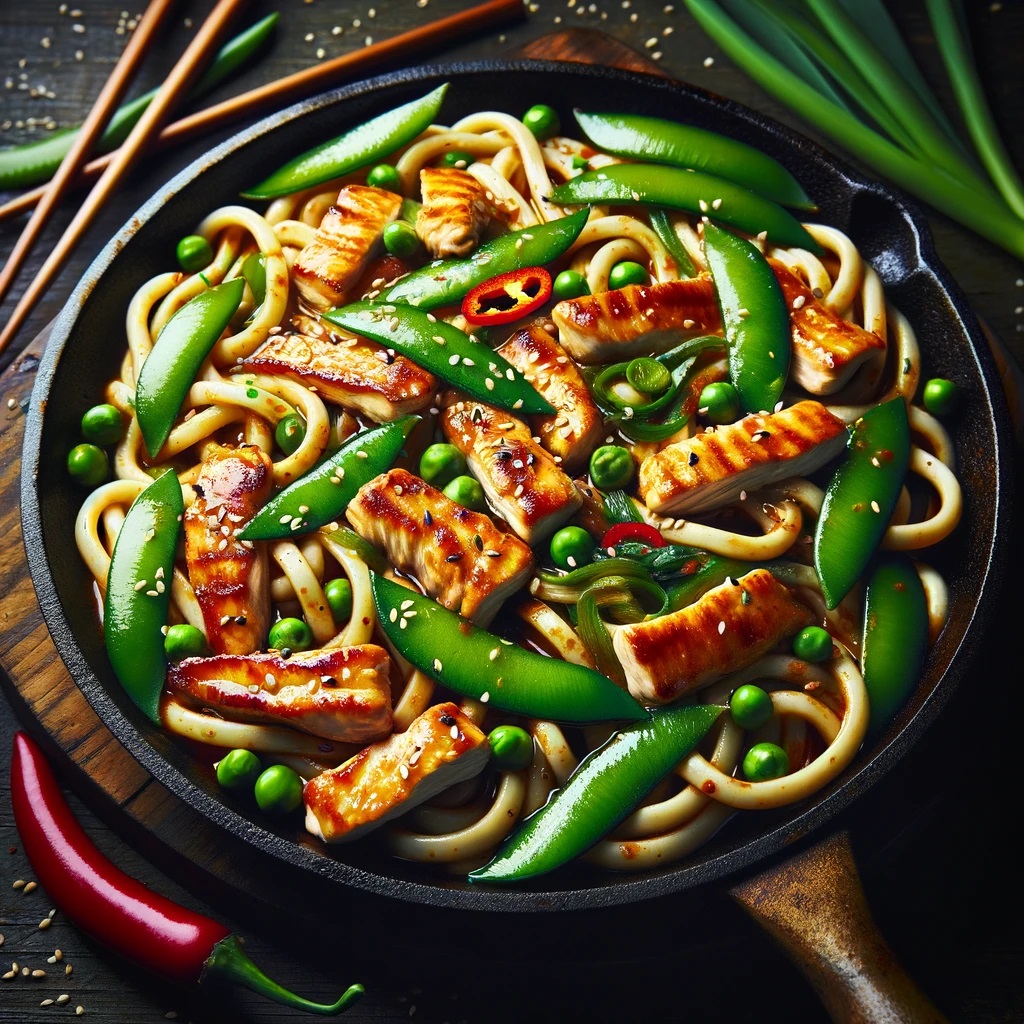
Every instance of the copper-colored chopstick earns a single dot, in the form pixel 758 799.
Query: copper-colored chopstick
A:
pixel 91 129
pixel 177 82
pixel 447 32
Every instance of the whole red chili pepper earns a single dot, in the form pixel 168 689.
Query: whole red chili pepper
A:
pixel 119 911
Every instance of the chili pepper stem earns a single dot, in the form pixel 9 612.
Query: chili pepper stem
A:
pixel 230 963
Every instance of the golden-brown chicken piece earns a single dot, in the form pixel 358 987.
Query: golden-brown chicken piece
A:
pixel 827 350
pixel 230 576
pixel 349 237
pixel 355 373
pixel 575 430
pixel 460 557
pixel 340 693
pixel 440 748
pixel 455 212
pixel 639 319
pixel 713 468
pixel 521 480
pixel 729 628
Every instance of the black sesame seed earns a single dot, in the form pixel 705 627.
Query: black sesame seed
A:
pixel 454 558
pixel 428 519
pixel 446 719
pixel 693 459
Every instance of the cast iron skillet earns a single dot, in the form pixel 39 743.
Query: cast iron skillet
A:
pixel 86 346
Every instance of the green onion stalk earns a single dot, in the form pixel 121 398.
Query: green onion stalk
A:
pixel 934 169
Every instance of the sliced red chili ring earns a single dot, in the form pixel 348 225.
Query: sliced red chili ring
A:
pixel 507 297
pixel 643 532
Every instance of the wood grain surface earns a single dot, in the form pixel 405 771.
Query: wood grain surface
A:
pixel 933 878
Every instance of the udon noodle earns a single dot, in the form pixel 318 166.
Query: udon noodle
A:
pixel 821 711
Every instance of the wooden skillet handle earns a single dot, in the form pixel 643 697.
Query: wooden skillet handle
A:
pixel 814 906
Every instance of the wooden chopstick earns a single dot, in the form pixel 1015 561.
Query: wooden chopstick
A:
pixel 91 129
pixel 446 32
pixel 177 82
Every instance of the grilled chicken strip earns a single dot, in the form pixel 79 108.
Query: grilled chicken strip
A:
pixel 455 212
pixel 349 237
pixel 574 432
pixel 711 469
pixel 636 320
pixel 341 693
pixel 229 576
pixel 521 480
pixel 723 632
pixel 827 350
pixel 460 557
pixel 439 749
pixel 355 373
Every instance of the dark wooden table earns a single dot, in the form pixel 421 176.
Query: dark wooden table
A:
pixel 942 880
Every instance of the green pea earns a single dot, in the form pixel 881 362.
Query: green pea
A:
pixel 290 633
pixel 813 644
pixel 466 491
pixel 400 239
pixel 457 158
pixel 384 176
pixel 441 463
pixel 239 769
pixel 569 284
pixel 88 464
pixel 511 747
pixel 290 433
pixel 542 120
pixel 764 761
pixel 278 790
pixel 572 546
pixel 611 467
pixel 751 706
pixel 103 424
pixel 339 596
pixel 194 252
pixel 940 396
pixel 183 640
pixel 627 272
pixel 647 375
pixel 719 402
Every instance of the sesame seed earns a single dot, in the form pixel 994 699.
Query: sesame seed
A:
pixel 393 615
pixel 874 506
pixel 454 732
pixel 63 998
pixel 721 627
pixel 30 887
pixel 437 665
pixel 403 770
pixel 799 301
pixel 39 973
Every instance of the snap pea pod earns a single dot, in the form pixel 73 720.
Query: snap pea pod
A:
pixel 861 497
pixel 323 494
pixel 179 351
pixel 663 229
pixel 359 147
pixel 445 351
pixel 36 162
pixel 895 636
pixel 139 589
pixel 656 140
pixel 607 784
pixel 478 664
pixel 754 317
pixel 693 191
pixel 445 282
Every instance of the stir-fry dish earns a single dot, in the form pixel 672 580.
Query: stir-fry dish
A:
pixel 538 494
